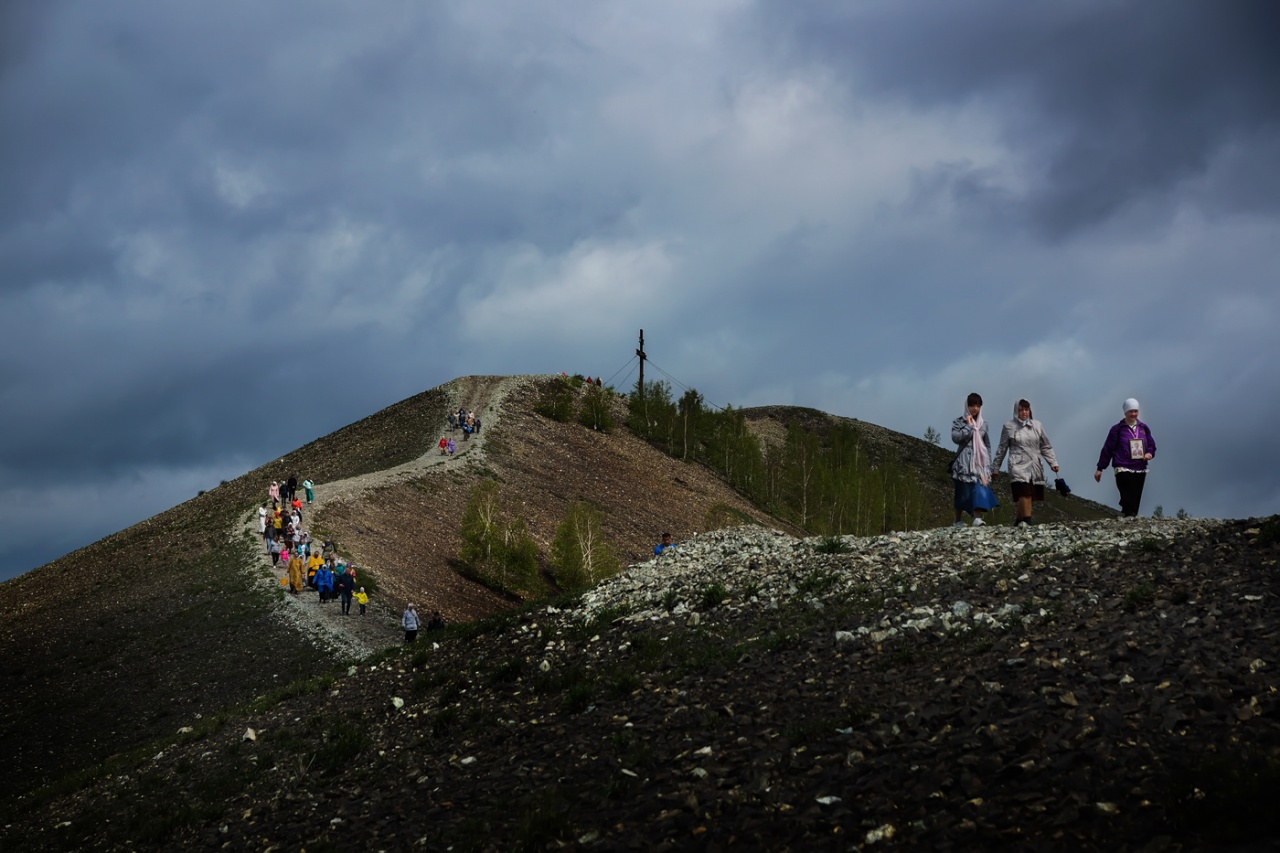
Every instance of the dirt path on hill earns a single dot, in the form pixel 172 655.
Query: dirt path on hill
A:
pixel 354 636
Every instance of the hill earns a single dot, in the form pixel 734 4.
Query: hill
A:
pixel 171 621
pixel 177 624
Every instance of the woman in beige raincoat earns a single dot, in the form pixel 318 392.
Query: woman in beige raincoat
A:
pixel 1024 441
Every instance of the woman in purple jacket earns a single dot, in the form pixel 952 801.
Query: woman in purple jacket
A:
pixel 1128 448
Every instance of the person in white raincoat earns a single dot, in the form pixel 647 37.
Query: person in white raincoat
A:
pixel 1024 441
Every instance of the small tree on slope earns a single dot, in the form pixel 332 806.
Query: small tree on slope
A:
pixel 580 555
pixel 496 548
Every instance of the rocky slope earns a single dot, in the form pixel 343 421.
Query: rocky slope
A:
pixel 1110 685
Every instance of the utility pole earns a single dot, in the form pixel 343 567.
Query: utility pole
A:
pixel 640 352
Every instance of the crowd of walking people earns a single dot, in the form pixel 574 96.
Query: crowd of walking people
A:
pixel 465 420
pixel 1128 448
pixel 307 565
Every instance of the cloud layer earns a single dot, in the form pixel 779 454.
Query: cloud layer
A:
pixel 230 229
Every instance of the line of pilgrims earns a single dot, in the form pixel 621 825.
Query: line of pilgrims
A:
pixel 465 420
pixel 307 565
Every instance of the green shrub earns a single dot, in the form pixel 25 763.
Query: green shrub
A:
pixel 594 411
pixel 496 547
pixel 580 555
pixel 555 399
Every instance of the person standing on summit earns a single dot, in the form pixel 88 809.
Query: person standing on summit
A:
pixel 1024 441
pixel 1128 449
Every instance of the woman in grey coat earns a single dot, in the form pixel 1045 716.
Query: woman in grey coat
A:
pixel 1025 442
pixel 971 469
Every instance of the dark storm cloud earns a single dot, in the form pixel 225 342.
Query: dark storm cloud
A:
pixel 129 112
pixel 1108 104
pixel 228 229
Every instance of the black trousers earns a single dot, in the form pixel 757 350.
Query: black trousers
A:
pixel 1130 486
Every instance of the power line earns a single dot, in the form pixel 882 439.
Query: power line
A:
pixel 682 385
pixel 627 378
pixel 609 381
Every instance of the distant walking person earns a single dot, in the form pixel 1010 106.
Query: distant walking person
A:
pixel 310 488
pixel 346 589
pixel 409 621
pixel 1025 442
pixel 295 574
pixel 971 469
pixel 1128 449
pixel 362 599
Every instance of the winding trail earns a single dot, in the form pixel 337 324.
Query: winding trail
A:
pixel 356 637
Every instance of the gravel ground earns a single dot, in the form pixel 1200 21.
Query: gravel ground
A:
pixel 1099 686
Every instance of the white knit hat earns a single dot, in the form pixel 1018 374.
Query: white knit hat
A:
pixel 1130 404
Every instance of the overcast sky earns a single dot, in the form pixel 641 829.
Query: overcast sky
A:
pixel 229 228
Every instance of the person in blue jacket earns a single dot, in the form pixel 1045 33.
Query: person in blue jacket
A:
pixel 324 582
pixel 1128 449
pixel 664 546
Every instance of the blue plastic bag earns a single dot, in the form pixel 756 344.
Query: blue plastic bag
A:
pixel 983 497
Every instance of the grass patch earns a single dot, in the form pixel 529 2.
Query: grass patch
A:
pixel 343 743
pixel 720 516
pixel 623 684
pixel 832 545
pixel 543 820
pixel 509 671
pixel 712 595
pixel 1029 555
pixel 579 697
pixel 818 581
pixel 303 687
pixel 445 720
pixel 1137 597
